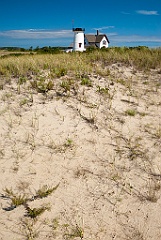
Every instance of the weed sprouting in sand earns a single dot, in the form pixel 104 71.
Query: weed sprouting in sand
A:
pixel 69 142
pixel 86 81
pixel 74 232
pixel 130 112
pixel 45 191
pixel 42 85
pixel 18 199
pixel 60 71
pixel 66 85
pixel 102 90
pixel 15 198
pixel 27 229
pixel 35 212
pixel 131 147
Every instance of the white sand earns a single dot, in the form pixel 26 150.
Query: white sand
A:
pixel 107 163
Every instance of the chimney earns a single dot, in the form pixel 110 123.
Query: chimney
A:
pixel 97 32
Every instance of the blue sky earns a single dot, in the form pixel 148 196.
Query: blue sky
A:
pixel 26 23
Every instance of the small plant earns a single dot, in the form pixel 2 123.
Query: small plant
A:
pixel 28 230
pixel 68 142
pixel 45 191
pixel 151 196
pixel 130 112
pixel 60 72
pixel 16 200
pixel 66 85
pixel 54 225
pixel 151 193
pixel 75 232
pixel 35 212
pixel 42 85
pixel 22 80
pixel 86 81
pixel 23 102
pixel 132 148
pixel 121 81
pixel 79 232
pixel 103 90
pixel 155 132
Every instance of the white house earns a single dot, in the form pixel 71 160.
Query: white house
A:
pixel 82 41
pixel 98 40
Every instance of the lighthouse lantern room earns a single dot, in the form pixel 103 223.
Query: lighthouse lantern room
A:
pixel 78 44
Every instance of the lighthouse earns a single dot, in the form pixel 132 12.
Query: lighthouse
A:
pixel 78 44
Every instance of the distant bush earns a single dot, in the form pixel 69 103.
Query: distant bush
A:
pixel 49 49
pixel 13 49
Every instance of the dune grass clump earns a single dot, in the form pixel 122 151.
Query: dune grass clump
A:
pixel 66 85
pixel 86 81
pixel 74 232
pixel 45 191
pixel 35 212
pixel 16 199
pixel 42 85
pixel 130 112
pixel 102 90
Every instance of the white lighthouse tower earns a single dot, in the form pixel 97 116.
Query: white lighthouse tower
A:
pixel 78 44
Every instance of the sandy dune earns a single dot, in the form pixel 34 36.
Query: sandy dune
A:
pixel 100 143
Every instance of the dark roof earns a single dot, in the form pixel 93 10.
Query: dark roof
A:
pixel 90 38
pixel 100 37
pixel 78 29
pixel 95 38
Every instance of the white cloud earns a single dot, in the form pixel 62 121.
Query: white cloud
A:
pixel 145 12
pixel 36 34
pixel 103 28
pixel 134 39
pixel 64 37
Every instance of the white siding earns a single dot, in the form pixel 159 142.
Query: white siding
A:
pixel 78 41
pixel 103 43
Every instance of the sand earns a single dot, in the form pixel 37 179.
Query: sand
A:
pixel 100 143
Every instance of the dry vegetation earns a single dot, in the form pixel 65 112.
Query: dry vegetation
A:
pixel 80 140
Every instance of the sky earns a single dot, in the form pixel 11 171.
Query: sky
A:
pixel 39 23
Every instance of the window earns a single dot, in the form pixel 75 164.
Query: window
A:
pixel 104 42
pixel 80 44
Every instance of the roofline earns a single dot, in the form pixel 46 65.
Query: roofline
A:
pixel 103 35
